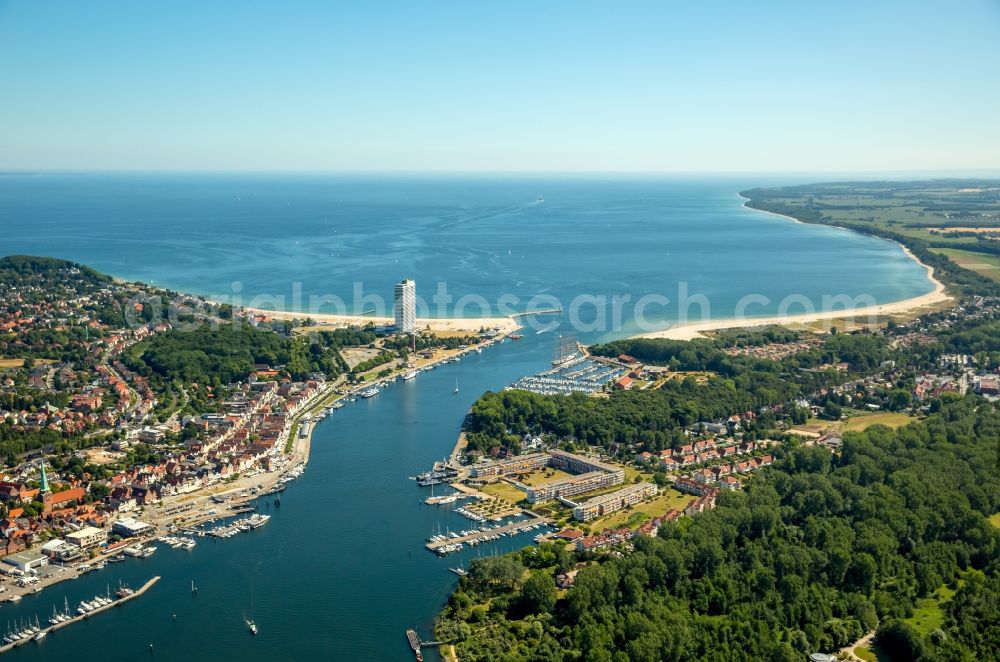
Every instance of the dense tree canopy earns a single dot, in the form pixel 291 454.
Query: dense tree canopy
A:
pixel 227 353
pixel 817 551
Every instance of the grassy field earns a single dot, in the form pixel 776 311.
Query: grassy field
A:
pixel 866 654
pixel 17 363
pixel 669 499
pixel 547 475
pixel 631 472
pixel 929 613
pixel 887 418
pixel 504 491
pixel 700 376
pixel 987 265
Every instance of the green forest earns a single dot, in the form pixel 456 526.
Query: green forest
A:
pixel 818 550
pixel 653 418
pixel 226 353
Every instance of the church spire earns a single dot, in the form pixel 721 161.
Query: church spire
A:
pixel 44 487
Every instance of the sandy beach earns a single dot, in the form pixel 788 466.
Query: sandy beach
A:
pixel 863 315
pixel 443 325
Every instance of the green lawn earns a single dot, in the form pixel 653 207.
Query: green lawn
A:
pixel 547 475
pixel 504 491
pixel 631 472
pixel 668 499
pixel 866 654
pixel 929 613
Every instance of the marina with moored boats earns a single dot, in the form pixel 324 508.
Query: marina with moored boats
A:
pixel 443 544
pixel 23 634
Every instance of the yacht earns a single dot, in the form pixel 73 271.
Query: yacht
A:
pixel 369 392
pixel 410 375
pixel 253 628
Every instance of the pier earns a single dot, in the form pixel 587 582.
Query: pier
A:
pixel 479 536
pixel 118 602
pixel 547 311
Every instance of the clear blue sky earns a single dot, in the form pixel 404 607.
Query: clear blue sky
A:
pixel 529 86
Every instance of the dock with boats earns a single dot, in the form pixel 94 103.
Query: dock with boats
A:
pixel 442 544
pixel 229 530
pixel 99 605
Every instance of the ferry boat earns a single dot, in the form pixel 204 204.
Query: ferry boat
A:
pixel 414 640
pixel 369 392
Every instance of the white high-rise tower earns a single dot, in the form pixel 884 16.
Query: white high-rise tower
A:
pixel 405 306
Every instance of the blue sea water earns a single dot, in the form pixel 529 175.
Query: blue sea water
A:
pixel 340 571
pixel 521 242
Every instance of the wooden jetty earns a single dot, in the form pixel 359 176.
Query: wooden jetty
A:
pixel 118 602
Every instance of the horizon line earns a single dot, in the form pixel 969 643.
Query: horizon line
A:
pixel 953 172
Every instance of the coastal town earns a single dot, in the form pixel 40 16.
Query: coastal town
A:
pixel 711 456
pixel 114 460
pixel 103 461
